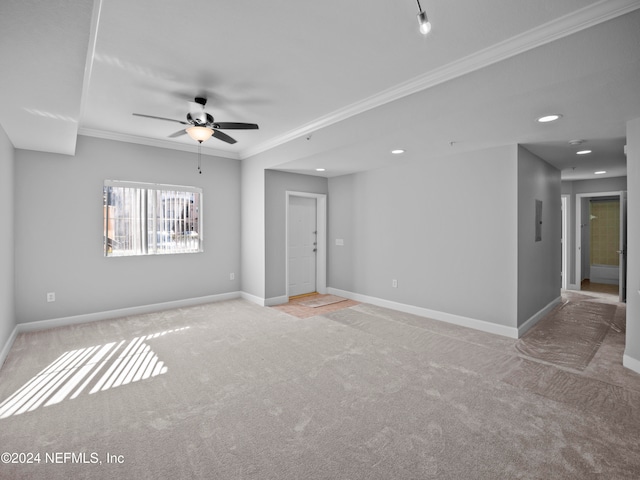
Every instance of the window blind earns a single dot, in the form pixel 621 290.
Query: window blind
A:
pixel 150 219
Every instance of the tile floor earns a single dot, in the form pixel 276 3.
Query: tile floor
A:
pixel 294 308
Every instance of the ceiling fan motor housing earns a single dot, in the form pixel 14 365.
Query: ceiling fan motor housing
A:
pixel 199 119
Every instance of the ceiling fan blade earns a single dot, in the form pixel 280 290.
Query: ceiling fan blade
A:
pixel 179 133
pixel 223 136
pixel 160 118
pixel 236 126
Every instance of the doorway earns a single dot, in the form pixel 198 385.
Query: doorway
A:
pixel 564 243
pixel 601 242
pixel 305 243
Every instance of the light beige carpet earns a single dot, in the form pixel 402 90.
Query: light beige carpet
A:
pixel 246 392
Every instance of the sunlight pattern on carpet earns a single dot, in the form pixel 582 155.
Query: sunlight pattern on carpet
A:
pixel 75 369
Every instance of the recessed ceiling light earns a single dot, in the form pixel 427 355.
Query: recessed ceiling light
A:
pixel 321 169
pixel 583 152
pixel 549 118
pixel 397 151
pixel 600 172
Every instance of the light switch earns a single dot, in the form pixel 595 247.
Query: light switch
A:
pixel 340 242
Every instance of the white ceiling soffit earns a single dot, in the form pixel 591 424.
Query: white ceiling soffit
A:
pixel 591 77
pixel 556 29
pixel 155 142
pixel 46 44
pixel 118 66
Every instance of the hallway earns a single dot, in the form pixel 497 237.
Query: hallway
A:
pixel 585 335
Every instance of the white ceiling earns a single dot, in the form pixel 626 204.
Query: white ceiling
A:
pixel 332 84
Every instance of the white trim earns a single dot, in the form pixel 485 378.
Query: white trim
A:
pixel 535 318
pixel 554 30
pixel 7 346
pixel 566 240
pixel 91 52
pixel 152 186
pixel 321 239
pixel 578 239
pixel 253 299
pixel 270 302
pixel 123 312
pixel 631 363
pixel 156 142
pixel 474 323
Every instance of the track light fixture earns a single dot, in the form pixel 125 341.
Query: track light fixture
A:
pixel 423 21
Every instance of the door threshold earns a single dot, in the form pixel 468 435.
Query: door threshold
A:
pixel 302 295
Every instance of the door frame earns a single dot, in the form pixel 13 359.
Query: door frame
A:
pixel 565 202
pixel 321 228
pixel 578 258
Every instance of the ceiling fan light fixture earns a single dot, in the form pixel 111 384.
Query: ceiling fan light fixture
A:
pixel 199 134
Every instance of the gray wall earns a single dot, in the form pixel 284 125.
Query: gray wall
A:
pixel 632 349
pixel 252 247
pixel 276 186
pixel 445 228
pixel 59 231
pixel 539 268
pixel 7 305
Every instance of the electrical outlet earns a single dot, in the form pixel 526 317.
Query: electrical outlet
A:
pixel 394 283
pixel 51 297
pixel 232 276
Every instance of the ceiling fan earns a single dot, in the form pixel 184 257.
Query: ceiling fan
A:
pixel 201 125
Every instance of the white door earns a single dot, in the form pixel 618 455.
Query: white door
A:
pixel 302 245
pixel 623 247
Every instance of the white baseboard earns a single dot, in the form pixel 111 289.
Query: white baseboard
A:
pixel 124 312
pixel 526 326
pixel 270 302
pixel 631 363
pixel 7 346
pixel 253 298
pixel 264 302
pixel 476 324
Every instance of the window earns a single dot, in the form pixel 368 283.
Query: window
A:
pixel 150 219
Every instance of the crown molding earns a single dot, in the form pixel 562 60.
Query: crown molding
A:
pixel 154 142
pixel 556 29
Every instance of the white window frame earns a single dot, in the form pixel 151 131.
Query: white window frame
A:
pixel 143 235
